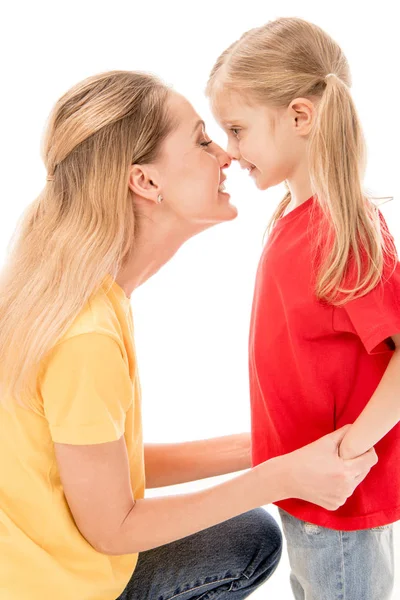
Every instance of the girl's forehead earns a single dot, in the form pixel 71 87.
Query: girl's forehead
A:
pixel 232 109
pixel 228 107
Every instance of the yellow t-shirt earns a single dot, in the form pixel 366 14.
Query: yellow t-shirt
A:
pixel 88 393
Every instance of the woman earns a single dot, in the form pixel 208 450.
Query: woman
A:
pixel 131 176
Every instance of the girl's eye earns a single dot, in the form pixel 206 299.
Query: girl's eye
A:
pixel 235 131
pixel 205 144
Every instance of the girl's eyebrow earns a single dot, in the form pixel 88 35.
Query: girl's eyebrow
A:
pixel 229 123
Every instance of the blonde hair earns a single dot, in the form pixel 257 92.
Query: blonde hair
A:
pixel 83 224
pixel 290 58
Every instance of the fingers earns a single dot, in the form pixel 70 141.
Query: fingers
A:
pixel 356 470
pixel 338 435
pixel 360 467
pixel 363 463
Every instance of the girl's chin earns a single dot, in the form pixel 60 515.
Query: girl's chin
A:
pixel 261 183
pixel 262 186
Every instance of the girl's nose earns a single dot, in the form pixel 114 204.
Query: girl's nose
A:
pixel 232 151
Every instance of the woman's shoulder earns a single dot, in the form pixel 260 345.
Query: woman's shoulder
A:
pixel 100 315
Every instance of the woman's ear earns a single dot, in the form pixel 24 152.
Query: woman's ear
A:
pixel 302 113
pixel 143 181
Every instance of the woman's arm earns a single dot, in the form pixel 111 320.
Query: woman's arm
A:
pixel 170 464
pixel 314 473
pixel 96 481
pixel 380 415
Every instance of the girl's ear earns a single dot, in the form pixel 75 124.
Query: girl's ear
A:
pixel 143 181
pixel 302 113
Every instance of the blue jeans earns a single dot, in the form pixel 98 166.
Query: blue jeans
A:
pixel 229 560
pixel 339 565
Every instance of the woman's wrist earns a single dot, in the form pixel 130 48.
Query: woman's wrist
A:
pixel 274 479
pixel 283 466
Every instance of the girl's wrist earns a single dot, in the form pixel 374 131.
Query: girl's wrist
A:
pixel 347 451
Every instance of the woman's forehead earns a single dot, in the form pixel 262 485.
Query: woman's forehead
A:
pixel 187 122
pixel 181 109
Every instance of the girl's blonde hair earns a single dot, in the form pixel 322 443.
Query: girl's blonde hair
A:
pixel 290 58
pixel 83 224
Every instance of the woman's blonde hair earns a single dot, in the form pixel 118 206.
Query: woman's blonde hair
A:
pixel 290 58
pixel 83 224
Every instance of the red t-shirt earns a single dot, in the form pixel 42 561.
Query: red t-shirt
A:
pixel 314 367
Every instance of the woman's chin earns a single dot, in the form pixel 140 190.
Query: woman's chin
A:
pixel 229 213
pixel 228 208
pixel 222 214
pixel 217 216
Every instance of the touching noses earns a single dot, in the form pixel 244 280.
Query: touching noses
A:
pixel 225 158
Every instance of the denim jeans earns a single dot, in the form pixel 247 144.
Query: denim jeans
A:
pixel 227 561
pixel 339 565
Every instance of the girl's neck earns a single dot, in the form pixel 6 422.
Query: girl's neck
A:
pixel 299 185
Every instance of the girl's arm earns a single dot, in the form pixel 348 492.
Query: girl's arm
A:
pixel 380 415
pixel 170 464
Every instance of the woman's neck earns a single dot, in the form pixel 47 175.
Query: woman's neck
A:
pixel 154 245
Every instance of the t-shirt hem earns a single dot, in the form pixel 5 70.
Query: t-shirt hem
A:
pixel 94 433
pixel 380 334
pixel 332 521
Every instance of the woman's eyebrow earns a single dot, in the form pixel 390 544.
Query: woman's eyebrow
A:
pixel 195 128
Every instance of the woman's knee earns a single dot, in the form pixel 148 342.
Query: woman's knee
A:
pixel 259 537
pixel 264 530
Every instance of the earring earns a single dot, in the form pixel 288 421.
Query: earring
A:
pixel 159 198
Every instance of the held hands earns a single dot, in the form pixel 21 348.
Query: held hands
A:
pixel 346 451
pixel 318 474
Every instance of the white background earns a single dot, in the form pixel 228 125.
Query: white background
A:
pixel 192 318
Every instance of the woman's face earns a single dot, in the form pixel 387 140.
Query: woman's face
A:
pixel 190 170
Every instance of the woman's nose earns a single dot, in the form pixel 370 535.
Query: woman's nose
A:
pixel 226 161
pixel 224 158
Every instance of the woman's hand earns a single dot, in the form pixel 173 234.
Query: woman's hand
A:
pixel 317 474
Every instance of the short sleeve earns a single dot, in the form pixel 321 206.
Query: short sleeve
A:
pixel 374 317
pixel 86 390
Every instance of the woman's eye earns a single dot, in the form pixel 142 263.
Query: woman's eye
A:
pixel 235 131
pixel 205 144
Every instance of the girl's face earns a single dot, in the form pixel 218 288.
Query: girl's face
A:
pixel 268 142
pixel 190 171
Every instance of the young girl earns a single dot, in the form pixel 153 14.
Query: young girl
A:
pixel 325 329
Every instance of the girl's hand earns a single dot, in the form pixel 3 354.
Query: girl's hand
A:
pixel 316 472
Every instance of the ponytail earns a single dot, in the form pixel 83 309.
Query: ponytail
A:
pixel 354 248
